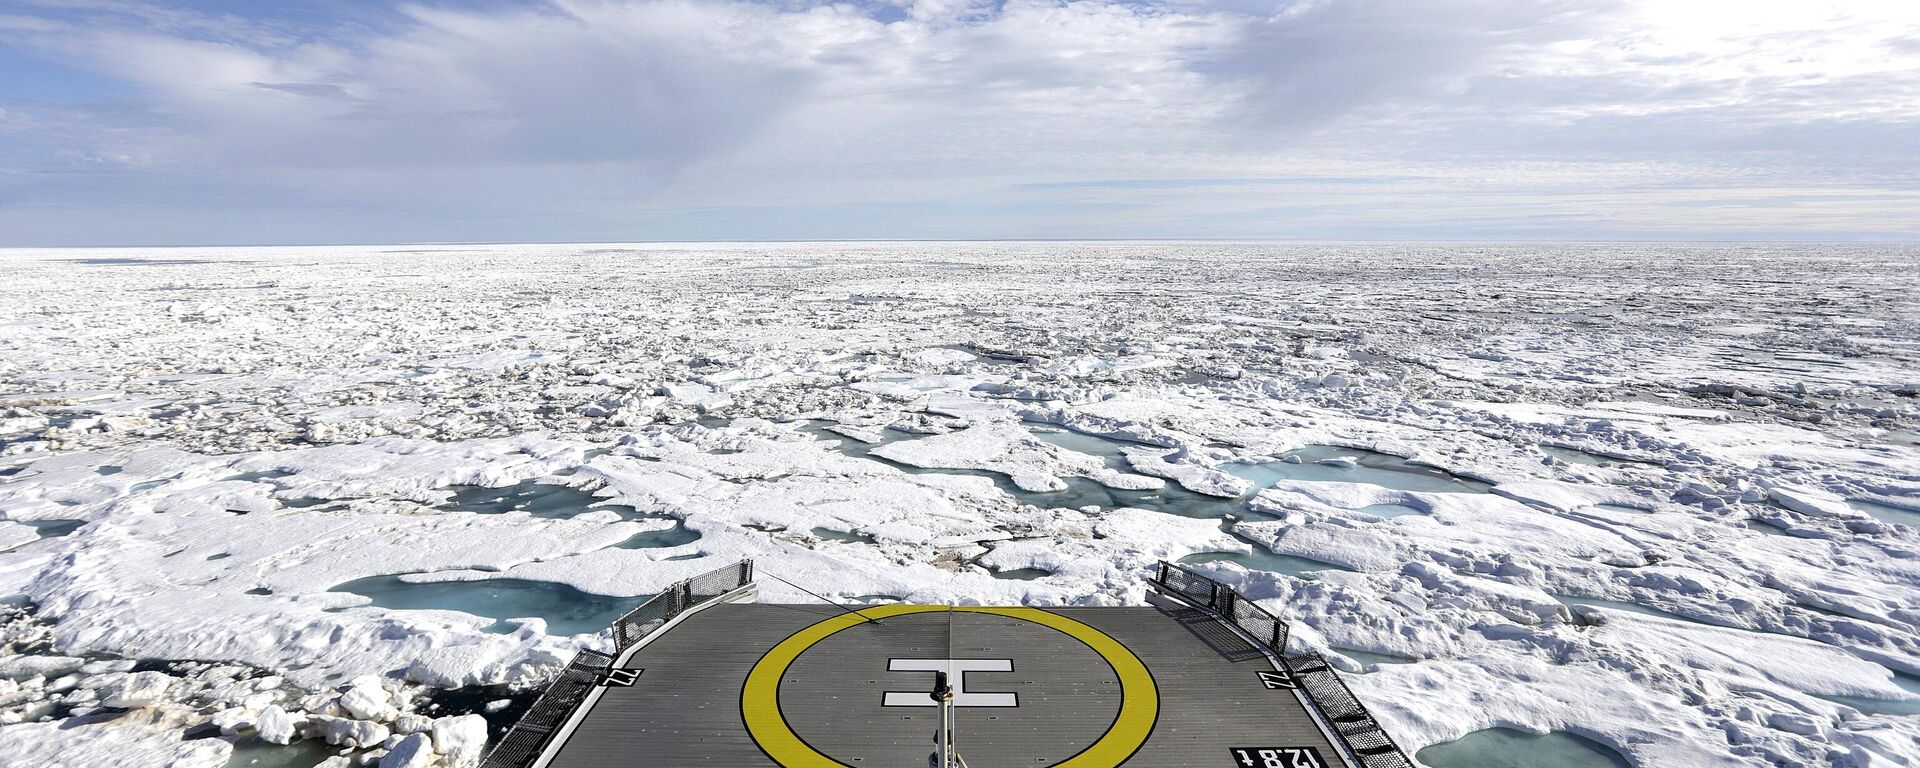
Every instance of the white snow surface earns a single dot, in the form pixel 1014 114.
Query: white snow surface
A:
pixel 1723 436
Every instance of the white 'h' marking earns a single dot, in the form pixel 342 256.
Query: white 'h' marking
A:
pixel 956 670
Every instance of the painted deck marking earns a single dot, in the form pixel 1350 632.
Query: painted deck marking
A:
pixel 1277 680
pixel 1277 757
pixel 956 670
pixel 760 696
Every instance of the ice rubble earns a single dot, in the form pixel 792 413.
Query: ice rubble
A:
pixel 235 437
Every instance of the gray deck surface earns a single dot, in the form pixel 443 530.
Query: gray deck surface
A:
pixel 686 709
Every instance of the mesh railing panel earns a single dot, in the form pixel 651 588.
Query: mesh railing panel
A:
pixel 520 747
pixel 1356 727
pixel 719 581
pixel 1257 622
pixel 642 621
pixel 1190 585
pixel 1221 599
pixel 523 743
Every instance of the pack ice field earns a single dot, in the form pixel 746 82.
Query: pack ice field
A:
pixel 1648 505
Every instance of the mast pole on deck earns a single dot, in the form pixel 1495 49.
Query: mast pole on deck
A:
pixel 943 738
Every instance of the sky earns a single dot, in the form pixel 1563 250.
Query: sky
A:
pixel 145 122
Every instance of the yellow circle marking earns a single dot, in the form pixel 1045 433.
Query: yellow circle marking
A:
pixel 760 698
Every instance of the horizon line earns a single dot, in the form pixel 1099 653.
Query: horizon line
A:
pixel 1911 240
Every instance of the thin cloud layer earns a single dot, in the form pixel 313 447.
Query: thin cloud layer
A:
pixel 608 119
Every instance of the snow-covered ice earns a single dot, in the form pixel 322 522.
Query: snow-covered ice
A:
pixel 1662 498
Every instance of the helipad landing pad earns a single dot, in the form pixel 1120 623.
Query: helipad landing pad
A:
pixel 805 686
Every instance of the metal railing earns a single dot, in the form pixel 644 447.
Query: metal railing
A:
pixel 642 621
pixel 1357 728
pixel 524 742
pixel 1352 724
pixel 1221 599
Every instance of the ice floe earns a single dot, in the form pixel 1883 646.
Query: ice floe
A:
pixel 1532 497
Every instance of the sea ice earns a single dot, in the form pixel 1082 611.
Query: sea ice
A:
pixel 1692 547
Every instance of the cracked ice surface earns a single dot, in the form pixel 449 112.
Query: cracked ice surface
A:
pixel 1719 438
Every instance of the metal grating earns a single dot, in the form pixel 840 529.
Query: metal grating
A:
pixel 1257 622
pixel 1357 728
pixel 1194 587
pixel 1221 599
pixel 522 744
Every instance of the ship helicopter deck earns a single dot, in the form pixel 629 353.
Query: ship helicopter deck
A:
pixel 1197 677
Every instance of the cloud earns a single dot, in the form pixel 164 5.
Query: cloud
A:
pixel 1316 60
pixel 605 117
pixel 654 85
